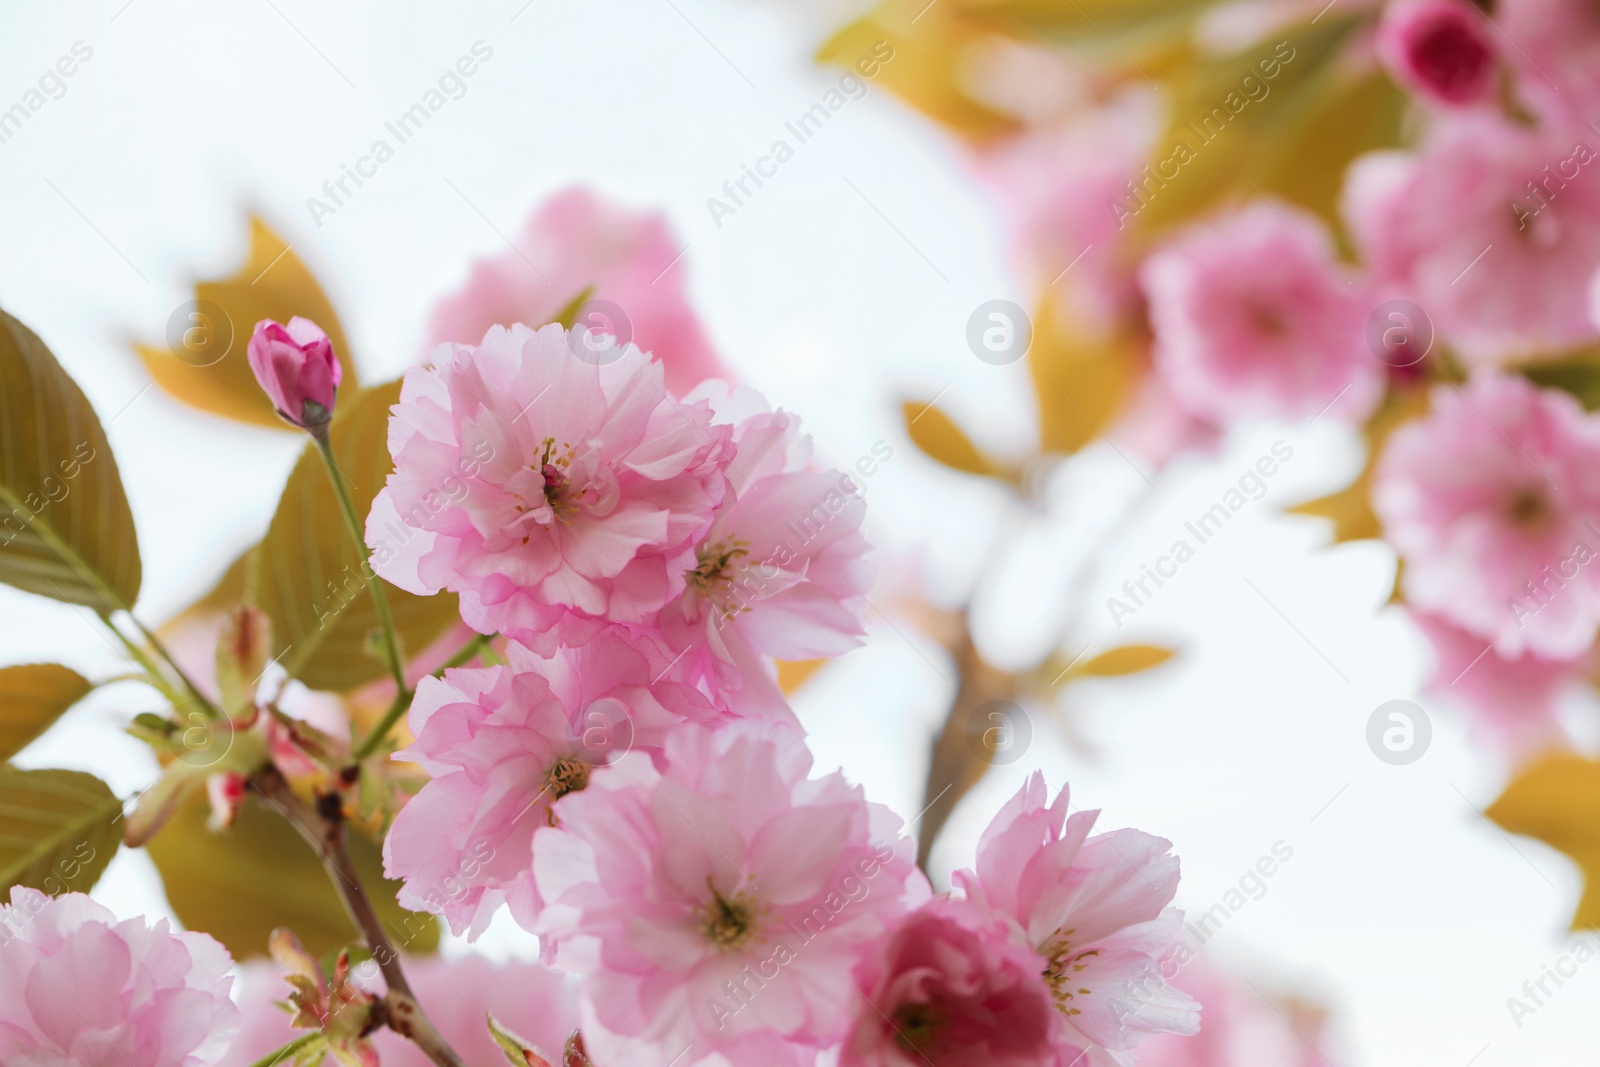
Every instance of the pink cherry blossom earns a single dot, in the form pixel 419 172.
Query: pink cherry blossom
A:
pixel 1093 909
pixel 716 906
pixel 297 368
pixel 581 242
pixel 80 989
pixel 1511 702
pixel 1493 502
pixel 502 745
pixel 532 1001
pixel 1443 50
pixel 780 573
pixel 1555 50
pixel 1253 318
pixel 543 486
pixel 1493 230
pixel 951 988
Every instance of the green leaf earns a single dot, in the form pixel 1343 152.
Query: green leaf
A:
pixel 1578 374
pixel 308 577
pixel 568 315
pixel 33 697
pixel 58 829
pixel 213 373
pixel 238 885
pixel 66 531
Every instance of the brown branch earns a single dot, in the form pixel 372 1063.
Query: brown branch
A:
pixel 959 759
pixel 324 828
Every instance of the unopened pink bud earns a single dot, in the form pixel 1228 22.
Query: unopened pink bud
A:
pixel 1439 49
pixel 298 370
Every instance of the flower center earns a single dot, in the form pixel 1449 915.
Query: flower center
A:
pixel 1528 507
pixel 728 922
pixel 713 576
pixel 566 775
pixel 1061 970
pixel 554 466
pixel 918 1025
pixel 1269 320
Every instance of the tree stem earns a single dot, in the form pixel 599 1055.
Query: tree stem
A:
pixel 466 653
pixel 324 828
pixel 369 744
pixel 380 599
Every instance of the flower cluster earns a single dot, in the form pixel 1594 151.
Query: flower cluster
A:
pixel 629 781
pixel 1438 271
pixel 609 761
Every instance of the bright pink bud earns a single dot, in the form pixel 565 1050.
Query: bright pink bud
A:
pixel 296 367
pixel 1439 49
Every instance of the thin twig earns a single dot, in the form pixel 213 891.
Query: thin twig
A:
pixel 324 827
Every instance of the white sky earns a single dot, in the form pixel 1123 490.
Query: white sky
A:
pixel 1408 913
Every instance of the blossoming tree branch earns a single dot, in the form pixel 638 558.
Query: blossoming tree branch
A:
pixel 509 648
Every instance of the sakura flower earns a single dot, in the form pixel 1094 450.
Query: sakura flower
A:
pixel 80 989
pixel 1555 49
pixel 1252 318
pixel 1094 911
pixel 1511 701
pixel 1492 229
pixel 503 744
pixel 1492 500
pixel 297 369
pixel 533 1001
pixel 1440 49
pixel 580 243
pixel 544 487
pixel 713 906
pixel 952 988
pixel 780 572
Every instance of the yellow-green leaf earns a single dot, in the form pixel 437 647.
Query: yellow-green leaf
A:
pixel 920 58
pixel 58 829
pixel 308 575
pixel 239 884
pixel 1557 800
pixel 1126 659
pixel 1080 381
pixel 212 373
pixel 66 531
pixel 31 698
pixel 1578 374
pixel 940 439
pixel 518 1051
pixel 1128 38
pixel 1353 116
pixel 1221 139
